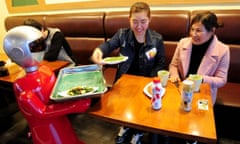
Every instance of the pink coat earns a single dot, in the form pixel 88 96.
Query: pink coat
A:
pixel 213 67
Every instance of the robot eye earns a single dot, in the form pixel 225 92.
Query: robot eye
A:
pixel 37 45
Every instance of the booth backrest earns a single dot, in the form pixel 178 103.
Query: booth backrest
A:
pixel 13 21
pixel 230 32
pixel 163 21
pixel 85 31
pixel 230 35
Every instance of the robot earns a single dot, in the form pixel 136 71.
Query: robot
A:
pixel 47 120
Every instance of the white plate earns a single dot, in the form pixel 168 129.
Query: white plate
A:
pixel 114 60
pixel 65 93
pixel 148 93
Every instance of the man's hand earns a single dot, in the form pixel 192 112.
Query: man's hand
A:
pixel 97 56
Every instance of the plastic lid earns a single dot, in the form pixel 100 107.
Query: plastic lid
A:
pixel 188 82
pixel 156 79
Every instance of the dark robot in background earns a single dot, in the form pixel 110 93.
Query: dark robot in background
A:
pixel 48 121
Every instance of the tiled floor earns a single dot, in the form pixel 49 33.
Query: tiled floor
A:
pixel 95 131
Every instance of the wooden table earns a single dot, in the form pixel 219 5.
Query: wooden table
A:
pixel 16 71
pixel 126 104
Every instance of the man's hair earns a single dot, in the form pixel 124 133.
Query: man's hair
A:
pixel 139 7
pixel 34 23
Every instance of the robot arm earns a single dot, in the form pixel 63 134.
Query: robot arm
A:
pixel 32 105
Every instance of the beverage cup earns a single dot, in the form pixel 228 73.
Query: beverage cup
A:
pixel 187 95
pixel 163 75
pixel 197 79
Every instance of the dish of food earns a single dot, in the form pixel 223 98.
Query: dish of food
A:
pixel 78 91
pixel 114 60
pixel 148 90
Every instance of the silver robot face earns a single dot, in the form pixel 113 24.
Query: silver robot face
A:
pixel 25 46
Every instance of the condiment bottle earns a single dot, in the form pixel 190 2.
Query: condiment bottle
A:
pixel 156 94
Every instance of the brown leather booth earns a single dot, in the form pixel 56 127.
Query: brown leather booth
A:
pixel 85 31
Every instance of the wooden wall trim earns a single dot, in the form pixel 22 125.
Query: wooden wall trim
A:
pixel 88 4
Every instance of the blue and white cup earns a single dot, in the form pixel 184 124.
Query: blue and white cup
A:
pixel 187 95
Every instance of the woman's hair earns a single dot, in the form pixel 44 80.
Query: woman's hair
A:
pixel 208 19
pixel 34 23
pixel 139 7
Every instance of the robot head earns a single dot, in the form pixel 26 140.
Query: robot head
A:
pixel 25 46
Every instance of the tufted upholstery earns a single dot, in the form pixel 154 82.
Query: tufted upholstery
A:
pixel 85 31
pixel 229 34
pixel 161 22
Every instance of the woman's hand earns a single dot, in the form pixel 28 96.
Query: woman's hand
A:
pixel 97 56
pixel 174 79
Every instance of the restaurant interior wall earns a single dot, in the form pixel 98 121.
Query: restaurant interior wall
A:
pixel 5 13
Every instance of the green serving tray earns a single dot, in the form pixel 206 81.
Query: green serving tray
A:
pixel 86 75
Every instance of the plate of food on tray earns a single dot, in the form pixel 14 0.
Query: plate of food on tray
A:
pixel 78 91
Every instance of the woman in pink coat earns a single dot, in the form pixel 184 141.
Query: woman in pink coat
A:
pixel 202 53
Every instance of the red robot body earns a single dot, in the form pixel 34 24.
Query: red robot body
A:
pixel 47 120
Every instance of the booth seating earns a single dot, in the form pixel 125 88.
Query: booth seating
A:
pixel 85 31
